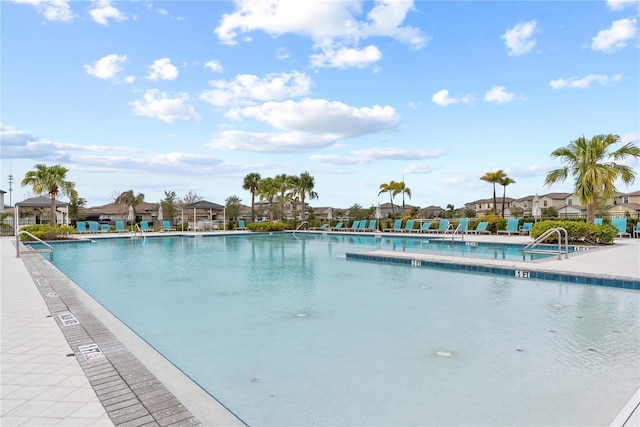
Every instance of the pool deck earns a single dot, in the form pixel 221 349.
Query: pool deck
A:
pixel 67 361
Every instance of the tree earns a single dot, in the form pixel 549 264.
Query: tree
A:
pixel 494 178
pixel 401 188
pixel 75 203
pixel 169 205
pixel 191 197
pixel 595 166
pixel 52 181
pixel 284 181
pixel 250 184
pixel 504 181
pixel 268 189
pixel 303 186
pixel 128 198
pixel 357 212
pixel 390 188
pixel 233 206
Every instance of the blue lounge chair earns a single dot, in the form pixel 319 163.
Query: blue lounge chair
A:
pixel 526 228
pixel 597 221
pixel 120 227
pixel 322 227
pixel 512 227
pixel 104 228
pixel 354 226
pixel 621 225
pixel 166 226
pixel 337 227
pixel 481 228
pixel 241 225
pixel 362 226
pixel 93 227
pixel 397 226
pixel 144 226
pixel 424 228
pixel 462 225
pixel 442 227
pixel 373 225
pixel 408 226
pixel 81 227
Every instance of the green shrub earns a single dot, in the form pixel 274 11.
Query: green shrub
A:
pixel 46 232
pixel 266 226
pixel 578 232
pixel 495 223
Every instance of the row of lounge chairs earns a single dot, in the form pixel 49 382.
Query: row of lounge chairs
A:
pixel 620 224
pixel 95 227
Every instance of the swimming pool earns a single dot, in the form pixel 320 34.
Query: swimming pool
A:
pixel 286 331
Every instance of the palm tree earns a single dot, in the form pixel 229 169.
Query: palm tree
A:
pixel 494 178
pixel 250 184
pixel 303 186
pixel 390 188
pixel 402 188
pixel 128 198
pixel 594 168
pixel 268 189
pixel 284 181
pixel 504 182
pixel 50 180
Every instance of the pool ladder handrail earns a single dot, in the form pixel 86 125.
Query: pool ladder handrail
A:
pixel 48 248
pixel 303 223
pixel 135 233
pixel 531 247
pixel 454 232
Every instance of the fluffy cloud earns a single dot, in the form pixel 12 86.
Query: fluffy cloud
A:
pixel 393 153
pixel 583 83
pixel 617 5
pixel 52 10
pixel 346 57
pixel 519 39
pixel 334 27
pixel 17 144
pixel 248 88
pixel 271 142
pixel 107 67
pixel 443 99
pixel 102 11
pixel 214 66
pixel 321 117
pixel 615 37
pixel 162 69
pixel 159 105
pixel 499 94
pixel 417 168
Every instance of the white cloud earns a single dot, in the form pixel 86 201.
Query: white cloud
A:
pixel 249 88
pixel 159 105
pixel 321 117
pixel 17 144
pixel 214 66
pixel 583 83
pixel 617 5
pixel 335 27
pixel 334 159
pixel 417 168
pixel 282 53
pixel 162 69
pixel 443 99
pixel 499 94
pixel 273 142
pixel 616 37
pixel 52 10
pixel 346 57
pixel 102 11
pixel 107 67
pixel 393 153
pixel 519 39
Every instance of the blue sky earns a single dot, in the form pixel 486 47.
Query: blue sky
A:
pixel 194 95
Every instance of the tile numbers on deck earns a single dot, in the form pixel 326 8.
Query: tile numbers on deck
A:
pixel 523 274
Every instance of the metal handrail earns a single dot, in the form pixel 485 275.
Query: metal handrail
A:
pixel 530 248
pixel 50 250
pixel 303 223
pixel 454 233
pixel 135 233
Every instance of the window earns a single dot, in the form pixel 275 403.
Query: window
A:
pixel 570 202
pixel 526 204
pixel 544 203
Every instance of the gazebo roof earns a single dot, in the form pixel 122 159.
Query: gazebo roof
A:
pixel 203 204
pixel 39 202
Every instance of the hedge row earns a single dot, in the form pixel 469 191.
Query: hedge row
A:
pixel 46 232
pixel 579 232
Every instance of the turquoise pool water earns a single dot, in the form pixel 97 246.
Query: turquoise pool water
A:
pixel 284 330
